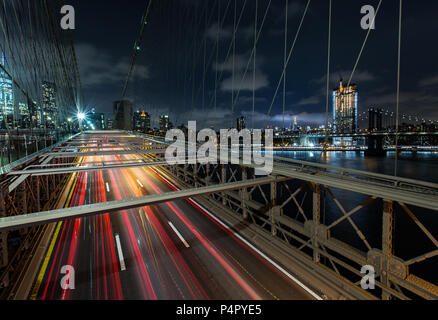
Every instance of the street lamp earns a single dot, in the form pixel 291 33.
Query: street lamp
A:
pixel 81 116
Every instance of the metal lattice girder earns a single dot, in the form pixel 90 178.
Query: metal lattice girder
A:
pixel 55 171
pixel 411 197
pixel 8 168
pixel 103 153
pixel 339 254
pixel 4 249
pixel 21 221
pixel 350 220
pixel 135 146
pixel 21 179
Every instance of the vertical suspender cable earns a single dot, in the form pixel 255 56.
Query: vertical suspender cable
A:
pixel 397 121
pixel 363 45
pixel 234 62
pixel 328 73
pixel 217 53
pixel 288 59
pixel 205 62
pixel 135 53
pixel 285 58
pixel 254 66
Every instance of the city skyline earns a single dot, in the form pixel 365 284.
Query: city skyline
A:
pixel 305 88
pixel 218 151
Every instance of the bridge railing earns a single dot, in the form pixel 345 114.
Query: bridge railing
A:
pixel 332 221
pixel 336 221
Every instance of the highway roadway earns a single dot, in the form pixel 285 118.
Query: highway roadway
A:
pixel 174 250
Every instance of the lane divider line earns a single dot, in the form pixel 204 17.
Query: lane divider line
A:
pixel 179 235
pixel 107 187
pixel 298 282
pixel 276 265
pixel 119 250
pixel 138 181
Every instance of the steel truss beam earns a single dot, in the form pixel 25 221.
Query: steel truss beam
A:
pixel 54 171
pixel 280 208
pixel 103 153
pixel 115 146
pixel 305 230
pixel 21 221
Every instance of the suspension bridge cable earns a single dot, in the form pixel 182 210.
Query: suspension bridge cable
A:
pixel 398 87
pixel 234 62
pixel 328 73
pixel 254 62
pixel 236 98
pixel 136 51
pixel 289 57
pixel 284 61
pixel 217 54
pixel 229 49
pixel 364 43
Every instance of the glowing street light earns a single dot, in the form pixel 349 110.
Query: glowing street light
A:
pixel 81 117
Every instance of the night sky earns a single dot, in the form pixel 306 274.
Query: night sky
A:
pixel 173 51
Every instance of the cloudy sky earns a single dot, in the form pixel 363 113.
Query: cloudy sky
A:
pixel 177 70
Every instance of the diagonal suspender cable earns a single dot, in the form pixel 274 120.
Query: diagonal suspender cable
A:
pixel 328 73
pixel 288 59
pixel 134 55
pixel 363 45
pixel 236 97
pixel 220 77
pixel 398 88
pixel 285 57
pixel 234 62
pixel 217 53
pixel 254 66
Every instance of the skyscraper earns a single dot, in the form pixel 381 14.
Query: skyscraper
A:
pixel 97 119
pixel 49 109
pixel 6 96
pixel 142 121
pixel 345 104
pixel 24 119
pixel 123 115
pixel 241 123
pixel 164 123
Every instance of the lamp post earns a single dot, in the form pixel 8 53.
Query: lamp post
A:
pixel 81 117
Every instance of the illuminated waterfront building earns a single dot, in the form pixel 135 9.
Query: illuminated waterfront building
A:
pixel 345 105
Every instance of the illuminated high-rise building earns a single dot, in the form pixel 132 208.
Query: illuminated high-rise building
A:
pixel 142 121
pixel 24 119
pixel 165 123
pixel 23 109
pixel 345 105
pixel 6 95
pixel 49 109
pixel 97 119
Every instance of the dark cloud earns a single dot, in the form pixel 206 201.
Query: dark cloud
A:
pixel 175 29
pixel 99 68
